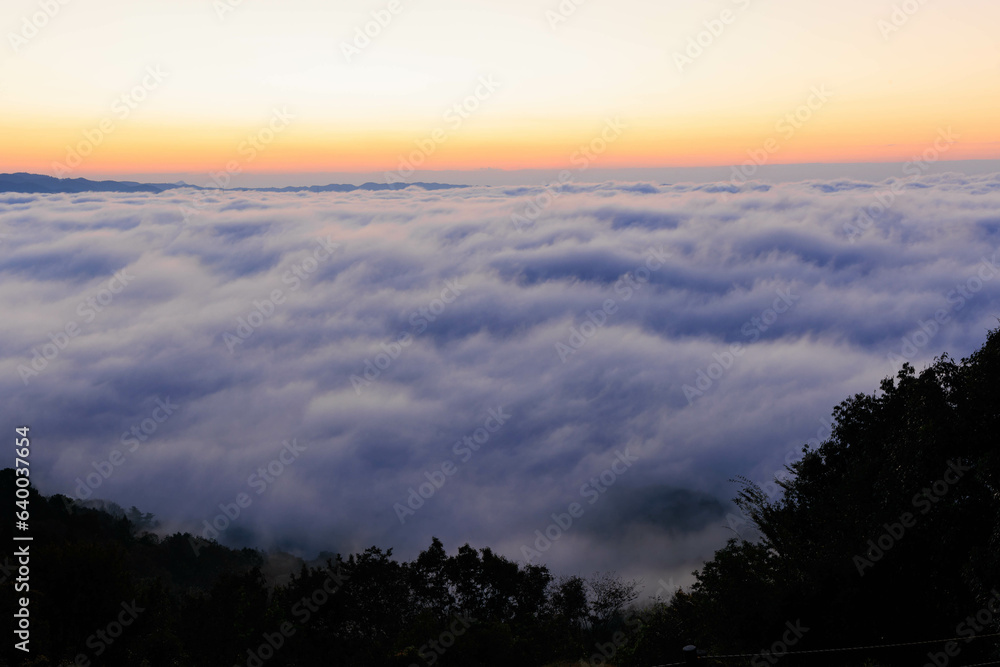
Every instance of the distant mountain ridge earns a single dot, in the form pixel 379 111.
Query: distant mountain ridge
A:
pixel 39 184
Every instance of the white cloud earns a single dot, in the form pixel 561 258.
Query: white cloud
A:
pixel 492 345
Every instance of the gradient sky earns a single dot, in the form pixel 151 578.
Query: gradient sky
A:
pixel 892 86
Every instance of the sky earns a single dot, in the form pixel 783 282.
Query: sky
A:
pixel 197 87
pixel 467 363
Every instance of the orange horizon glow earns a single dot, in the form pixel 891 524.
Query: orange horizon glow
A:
pixel 514 93
pixel 67 151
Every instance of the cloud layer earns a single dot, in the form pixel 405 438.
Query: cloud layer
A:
pixel 624 347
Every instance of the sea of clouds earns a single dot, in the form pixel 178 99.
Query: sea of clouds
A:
pixel 593 362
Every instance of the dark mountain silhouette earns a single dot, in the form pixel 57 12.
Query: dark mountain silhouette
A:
pixel 37 183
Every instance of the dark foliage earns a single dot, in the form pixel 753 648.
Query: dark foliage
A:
pixel 888 532
pixel 103 592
